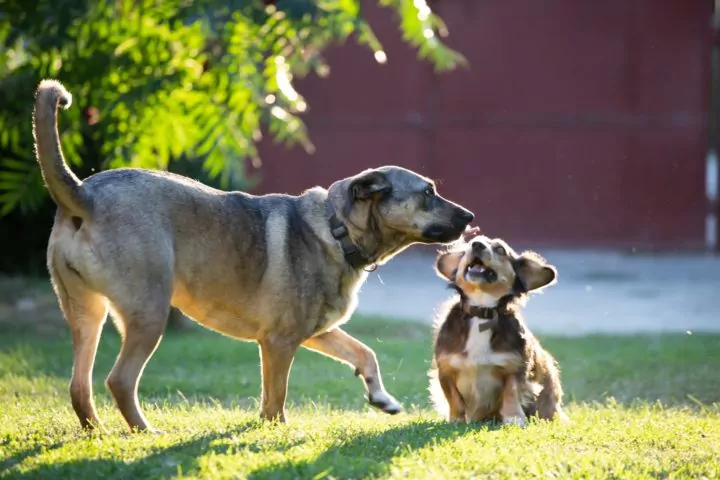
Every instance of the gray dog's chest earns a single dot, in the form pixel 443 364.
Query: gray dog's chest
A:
pixel 337 309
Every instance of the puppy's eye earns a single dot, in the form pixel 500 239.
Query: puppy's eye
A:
pixel 429 192
pixel 500 250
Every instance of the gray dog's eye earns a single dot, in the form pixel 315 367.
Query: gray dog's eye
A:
pixel 429 192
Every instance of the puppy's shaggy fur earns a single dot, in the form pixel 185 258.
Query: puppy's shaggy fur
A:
pixel 487 365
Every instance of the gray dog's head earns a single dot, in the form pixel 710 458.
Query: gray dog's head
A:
pixel 389 208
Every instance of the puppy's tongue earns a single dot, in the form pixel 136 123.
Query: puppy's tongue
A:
pixel 477 268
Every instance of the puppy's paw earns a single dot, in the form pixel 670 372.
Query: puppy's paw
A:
pixel 385 402
pixel 562 417
pixel 515 420
pixel 146 430
pixel 275 418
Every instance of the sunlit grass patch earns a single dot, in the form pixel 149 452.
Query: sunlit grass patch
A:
pixel 641 407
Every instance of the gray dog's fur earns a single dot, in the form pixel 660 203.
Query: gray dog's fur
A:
pixel 263 268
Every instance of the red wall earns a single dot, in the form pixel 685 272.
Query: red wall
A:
pixel 577 123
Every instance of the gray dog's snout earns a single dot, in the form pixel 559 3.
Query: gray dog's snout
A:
pixel 464 216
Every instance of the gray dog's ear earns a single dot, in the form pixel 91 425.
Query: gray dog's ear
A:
pixel 364 186
pixel 367 184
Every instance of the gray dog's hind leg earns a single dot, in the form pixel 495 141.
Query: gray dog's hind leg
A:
pixel 85 312
pixel 144 326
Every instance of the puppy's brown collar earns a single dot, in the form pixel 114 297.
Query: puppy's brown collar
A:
pixel 482 312
pixel 492 316
pixel 351 252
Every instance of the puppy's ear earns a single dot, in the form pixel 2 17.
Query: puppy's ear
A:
pixel 446 264
pixel 367 184
pixel 534 271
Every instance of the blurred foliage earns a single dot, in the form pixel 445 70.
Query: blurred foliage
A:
pixel 187 83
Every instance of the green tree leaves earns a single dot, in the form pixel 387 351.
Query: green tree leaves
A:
pixel 160 82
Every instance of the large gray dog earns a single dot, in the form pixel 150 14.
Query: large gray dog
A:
pixel 277 269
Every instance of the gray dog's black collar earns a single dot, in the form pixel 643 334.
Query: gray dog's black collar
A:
pixel 339 232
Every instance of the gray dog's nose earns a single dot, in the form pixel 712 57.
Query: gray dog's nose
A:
pixel 466 216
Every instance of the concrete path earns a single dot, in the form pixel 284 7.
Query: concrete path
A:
pixel 596 292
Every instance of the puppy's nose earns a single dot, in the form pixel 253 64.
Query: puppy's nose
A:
pixel 479 247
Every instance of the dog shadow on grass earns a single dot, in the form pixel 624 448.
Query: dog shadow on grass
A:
pixel 7 463
pixel 367 454
pixel 360 455
pixel 159 462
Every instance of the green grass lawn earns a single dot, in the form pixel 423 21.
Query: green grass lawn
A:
pixel 642 407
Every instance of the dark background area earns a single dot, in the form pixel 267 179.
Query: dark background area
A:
pixel 577 124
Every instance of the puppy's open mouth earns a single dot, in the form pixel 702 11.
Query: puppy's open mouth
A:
pixel 476 270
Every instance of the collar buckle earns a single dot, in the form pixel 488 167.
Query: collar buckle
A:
pixel 351 252
pixel 339 230
pixel 485 313
pixel 491 315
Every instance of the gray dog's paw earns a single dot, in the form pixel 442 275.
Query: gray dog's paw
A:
pixel 385 402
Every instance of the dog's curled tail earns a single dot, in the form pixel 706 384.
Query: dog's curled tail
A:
pixel 64 187
pixel 437 396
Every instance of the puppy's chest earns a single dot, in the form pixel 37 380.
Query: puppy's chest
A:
pixel 478 350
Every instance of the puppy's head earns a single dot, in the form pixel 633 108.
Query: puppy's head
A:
pixel 486 270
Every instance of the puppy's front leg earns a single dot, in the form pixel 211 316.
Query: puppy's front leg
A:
pixel 342 347
pixel 456 404
pixel 511 410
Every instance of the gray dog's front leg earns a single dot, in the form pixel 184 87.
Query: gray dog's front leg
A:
pixel 339 345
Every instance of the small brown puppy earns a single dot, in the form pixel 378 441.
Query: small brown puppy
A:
pixel 487 365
